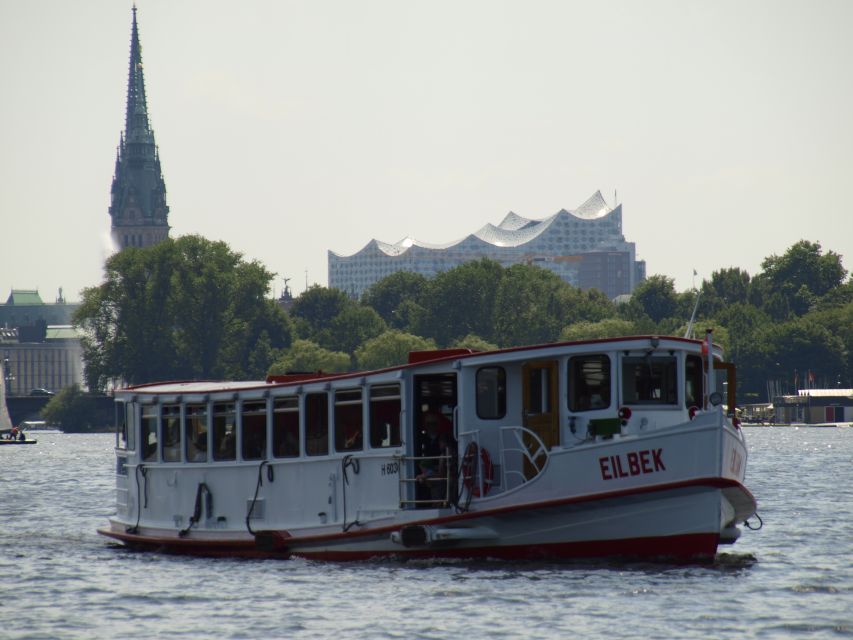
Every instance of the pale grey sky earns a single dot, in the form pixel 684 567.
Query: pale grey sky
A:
pixel 290 128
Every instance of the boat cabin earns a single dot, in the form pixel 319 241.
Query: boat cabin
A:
pixel 490 418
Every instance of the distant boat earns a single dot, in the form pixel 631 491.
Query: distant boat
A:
pixel 619 447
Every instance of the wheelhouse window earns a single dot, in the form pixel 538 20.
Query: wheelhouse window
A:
pixel 195 432
pixel 150 415
pixel 316 424
pixel 693 374
pixel 254 445
pixel 589 382
pixel 650 380
pixel 491 393
pixel 171 432
pixel 348 420
pixel 385 415
pixel 125 426
pixel 224 431
pixel 285 427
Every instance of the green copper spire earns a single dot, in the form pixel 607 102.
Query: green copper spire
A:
pixel 138 196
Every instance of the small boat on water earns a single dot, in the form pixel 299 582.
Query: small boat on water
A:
pixel 603 448
pixel 13 436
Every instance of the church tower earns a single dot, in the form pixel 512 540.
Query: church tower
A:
pixel 140 215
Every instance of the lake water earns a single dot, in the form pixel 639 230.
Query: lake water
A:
pixel 59 579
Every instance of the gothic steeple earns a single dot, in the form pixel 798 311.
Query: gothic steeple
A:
pixel 140 215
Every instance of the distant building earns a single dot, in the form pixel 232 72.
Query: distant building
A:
pixel 585 247
pixel 815 406
pixel 38 346
pixel 140 215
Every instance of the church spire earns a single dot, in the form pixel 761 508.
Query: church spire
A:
pixel 138 196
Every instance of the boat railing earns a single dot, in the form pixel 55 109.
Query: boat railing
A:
pixel 528 447
pixel 436 490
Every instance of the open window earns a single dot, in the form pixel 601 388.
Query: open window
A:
pixel 317 424
pixel 285 427
pixel 254 422
pixel 649 380
pixel 224 431
pixel 385 415
pixel 150 416
pixel 589 382
pixel 348 420
pixel 171 432
pixel 195 428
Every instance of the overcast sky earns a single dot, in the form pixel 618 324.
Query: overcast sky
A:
pixel 290 128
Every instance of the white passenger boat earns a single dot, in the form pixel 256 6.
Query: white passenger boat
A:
pixel 604 448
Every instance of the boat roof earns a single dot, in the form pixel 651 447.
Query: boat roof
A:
pixel 416 359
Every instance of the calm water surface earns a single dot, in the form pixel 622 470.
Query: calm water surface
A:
pixel 59 579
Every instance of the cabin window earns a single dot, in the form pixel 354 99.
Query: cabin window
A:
pixel 149 432
pixel 491 393
pixel 130 413
pixel 316 424
pixel 224 431
pixel 693 373
pixel 285 427
pixel 348 421
pixel 124 437
pixel 254 430
pixel 649 380
pixel 171 433
pixel 385 415
pixel 589 382
pixel 195 430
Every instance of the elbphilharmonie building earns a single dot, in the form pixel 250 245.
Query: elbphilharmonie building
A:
pixel 585 247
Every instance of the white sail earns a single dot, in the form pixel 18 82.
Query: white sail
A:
pixel 5 420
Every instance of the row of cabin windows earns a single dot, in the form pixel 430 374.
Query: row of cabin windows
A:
pixel 163 429
pixel 646 380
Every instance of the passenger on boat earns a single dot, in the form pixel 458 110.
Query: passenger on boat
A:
pixel 21 436
pixel 436 449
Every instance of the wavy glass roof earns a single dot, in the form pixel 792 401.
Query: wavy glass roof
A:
pixel 513 231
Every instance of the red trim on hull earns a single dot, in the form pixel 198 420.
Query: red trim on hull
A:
pixel 696 547
pixel 699 547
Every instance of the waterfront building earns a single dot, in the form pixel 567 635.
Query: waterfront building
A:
pixel 138 209
pixel 585 247
pixel 39 347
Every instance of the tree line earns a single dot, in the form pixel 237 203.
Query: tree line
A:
pixel 190 308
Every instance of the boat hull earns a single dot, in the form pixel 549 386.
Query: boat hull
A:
pixel 680 522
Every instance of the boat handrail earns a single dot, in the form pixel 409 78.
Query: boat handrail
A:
pixel 518 433
pixel 446 478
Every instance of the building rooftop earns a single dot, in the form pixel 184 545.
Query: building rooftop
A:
pixel 24 297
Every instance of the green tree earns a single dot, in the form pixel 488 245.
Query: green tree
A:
pixel 316 308
pixel 305 355
pixel 460 301
pixel 654 298
pixel 186 308
pixel 474 342
pixel 606 328
pixel 534 304
pixel 390 349
pixel 353 326
pixel 388 295
pixel 74 411
pixel 802 275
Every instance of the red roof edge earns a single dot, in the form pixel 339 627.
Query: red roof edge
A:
pixel 416 357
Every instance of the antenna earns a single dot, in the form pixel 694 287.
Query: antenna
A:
pixel 689 332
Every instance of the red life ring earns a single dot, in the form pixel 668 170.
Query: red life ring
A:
pixel 469 469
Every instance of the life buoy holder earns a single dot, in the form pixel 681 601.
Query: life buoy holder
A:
pixel 469 469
